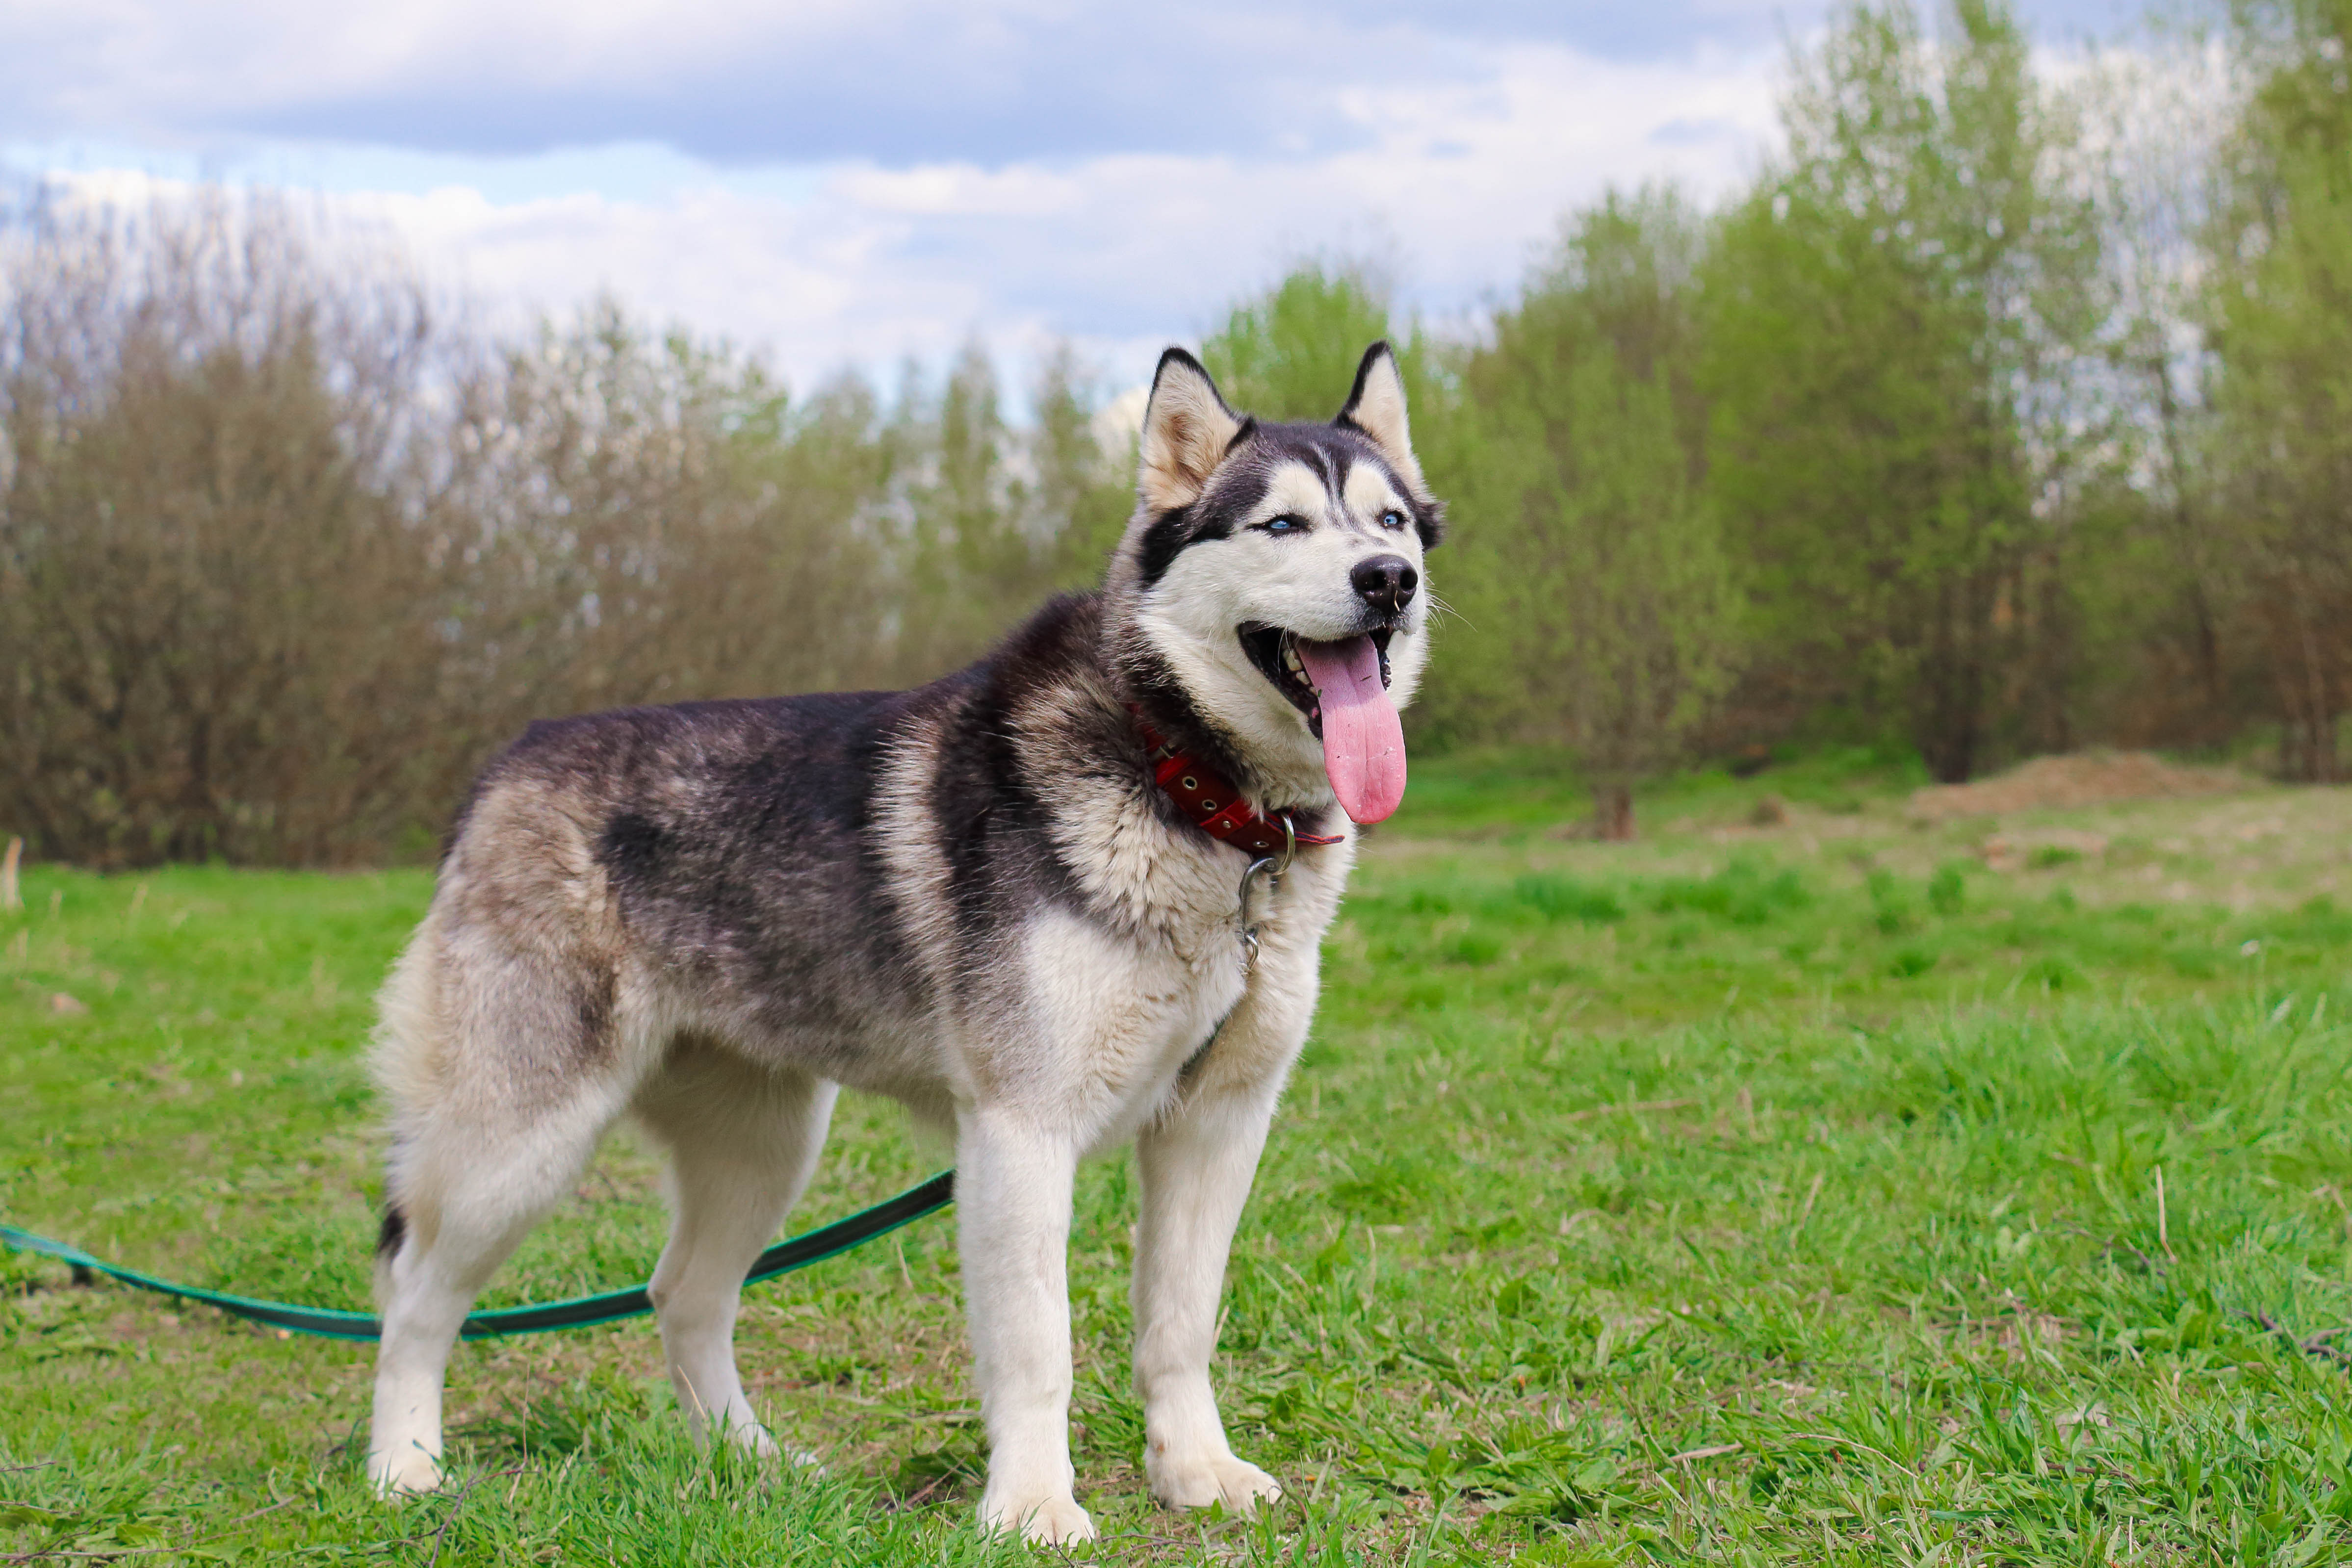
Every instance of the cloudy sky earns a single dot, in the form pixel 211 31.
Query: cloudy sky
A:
pixel 859 181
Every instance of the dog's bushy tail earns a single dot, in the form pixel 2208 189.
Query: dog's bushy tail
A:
pixel 407 1060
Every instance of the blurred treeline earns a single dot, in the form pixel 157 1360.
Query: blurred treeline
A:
pixel 1994 417
pixel 284 555
pixel 2001 412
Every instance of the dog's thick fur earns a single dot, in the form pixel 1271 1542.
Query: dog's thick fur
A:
pixel 969 896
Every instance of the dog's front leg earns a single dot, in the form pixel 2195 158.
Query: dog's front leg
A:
pixel 1197 1167
pixel 1013 1181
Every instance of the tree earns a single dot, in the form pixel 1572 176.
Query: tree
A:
pixel 2170 597
pixel 1292 353
pixel 1594 572
pixel 1880 313
pixel 968 564
pixel 215 612
pixel 659 521
pixel 2282 322
pixel 1081 495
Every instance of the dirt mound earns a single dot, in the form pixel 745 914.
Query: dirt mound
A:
pixel 2087 779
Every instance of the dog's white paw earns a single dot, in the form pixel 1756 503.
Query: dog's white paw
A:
pixel 752 1438
pixel 763 1446
pixel 404 1472
pixel 1053 1518
pixel 1200 1479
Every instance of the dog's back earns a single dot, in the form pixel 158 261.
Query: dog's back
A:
pixel 614 876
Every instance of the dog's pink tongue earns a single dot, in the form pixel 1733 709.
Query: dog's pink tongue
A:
pixel 1363 743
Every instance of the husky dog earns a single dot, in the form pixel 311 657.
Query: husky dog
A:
pixel 990 898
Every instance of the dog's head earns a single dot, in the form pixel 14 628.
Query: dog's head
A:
pixel 1274 571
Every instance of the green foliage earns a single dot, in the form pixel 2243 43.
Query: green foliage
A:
pixel 1875 309
pixel 1083 494
pixel 1291 354
pixel 1890 903
pixel 964 546
pixel 2282 332
pixel 1912 442
pixel 1594 568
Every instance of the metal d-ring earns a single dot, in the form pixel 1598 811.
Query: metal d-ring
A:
pixel 1274 866
pixel 1249 926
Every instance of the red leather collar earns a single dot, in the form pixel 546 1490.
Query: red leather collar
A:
pixel 1214 805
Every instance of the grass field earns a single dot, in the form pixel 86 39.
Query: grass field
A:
pixel 1803 1192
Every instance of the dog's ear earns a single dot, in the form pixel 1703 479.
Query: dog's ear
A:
pixel 1187 431
pixel 1376 407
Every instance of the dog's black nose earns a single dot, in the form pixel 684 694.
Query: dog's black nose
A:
pixel 1385 581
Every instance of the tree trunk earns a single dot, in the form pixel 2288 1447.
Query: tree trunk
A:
pixel 2216 721
pixel 2307 748
pixel 2307 738
pixel 1951 681
pixel 1613 813
pixel 1949 744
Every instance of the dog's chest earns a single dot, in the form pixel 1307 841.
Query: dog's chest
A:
pixel 1121 1005
pixel 1124 1005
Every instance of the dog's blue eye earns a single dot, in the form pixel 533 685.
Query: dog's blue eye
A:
pixel 1392 520
pixel 1284 525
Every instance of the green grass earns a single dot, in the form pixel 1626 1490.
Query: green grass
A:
pixel 1810 1193
pixel 1490 792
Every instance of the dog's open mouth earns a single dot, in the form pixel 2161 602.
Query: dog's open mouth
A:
pixel 1276 654
pixel 1342 688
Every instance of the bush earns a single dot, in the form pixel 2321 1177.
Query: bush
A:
pixel 225 563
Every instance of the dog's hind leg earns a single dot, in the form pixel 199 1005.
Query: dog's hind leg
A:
pixel 744 1144
pixel 498 1099
pixel 489 1193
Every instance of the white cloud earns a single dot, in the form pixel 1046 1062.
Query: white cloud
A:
pixel 749 81
pixel 732 81
pixel 1023 169
pixel 1457 187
